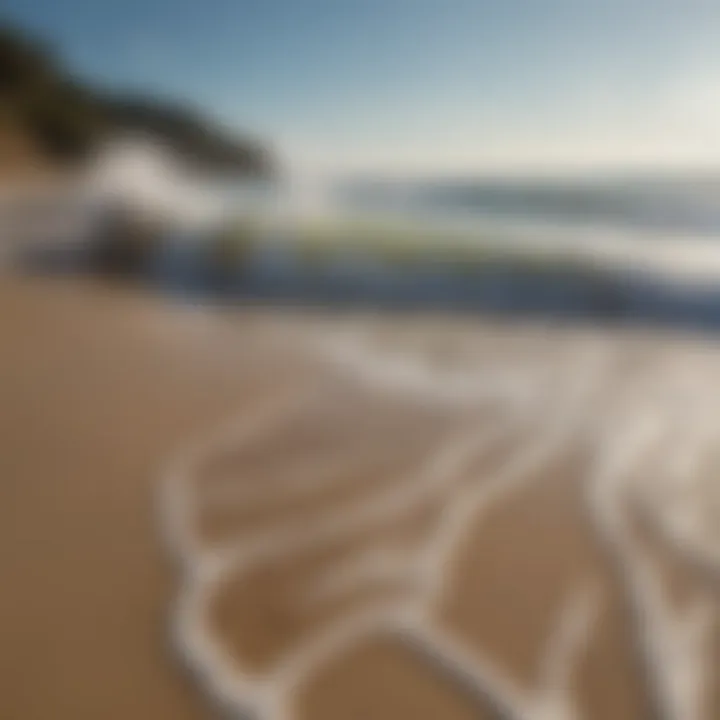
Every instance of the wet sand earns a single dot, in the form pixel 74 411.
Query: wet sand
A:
pixel 299 515
pixel 97 388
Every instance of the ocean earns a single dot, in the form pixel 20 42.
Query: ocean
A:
pixel 663 205
pixel 640 249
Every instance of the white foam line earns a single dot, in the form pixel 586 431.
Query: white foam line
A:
pixel 465 511
pixel 406 498
pixel 576 622
pixel 462 515
pixel 403 375
pixel 487 684
pixel 338 638
pixel 217 673
pixel 492 681
pixel 305 478
pixel 685 640
pixel 458 520
pixel 418 488
pixel 177 499
pixel 484 681
pixel 686 537
pixel 205 570
pixel 668 643
pixel 370 566
pixel 700 553
pixel 215 670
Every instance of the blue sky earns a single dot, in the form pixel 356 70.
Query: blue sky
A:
pixel 420 85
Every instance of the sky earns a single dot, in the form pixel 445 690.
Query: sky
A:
pixel 419 86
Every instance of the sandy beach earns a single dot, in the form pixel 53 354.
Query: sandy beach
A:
pixel 281 514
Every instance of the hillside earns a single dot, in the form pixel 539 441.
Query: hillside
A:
pixel 48 117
